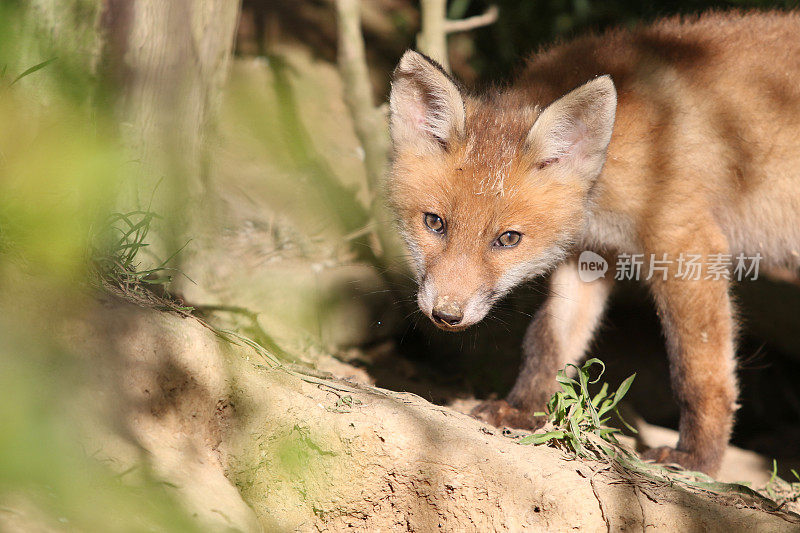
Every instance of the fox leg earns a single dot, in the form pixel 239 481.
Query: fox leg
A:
pixel 697 319
pixel 559 334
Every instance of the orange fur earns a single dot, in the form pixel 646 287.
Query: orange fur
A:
pixel 704 158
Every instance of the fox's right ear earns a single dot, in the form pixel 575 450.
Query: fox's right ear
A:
pixel 427 109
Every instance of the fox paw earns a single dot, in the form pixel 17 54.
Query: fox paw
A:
pixel 500 413
pixel 686 460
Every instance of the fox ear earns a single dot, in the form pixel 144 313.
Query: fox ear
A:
pixel 575 129
pixel 427 109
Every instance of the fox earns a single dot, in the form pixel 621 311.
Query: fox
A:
pixel 677 137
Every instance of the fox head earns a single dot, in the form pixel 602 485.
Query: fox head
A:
pixel 489 191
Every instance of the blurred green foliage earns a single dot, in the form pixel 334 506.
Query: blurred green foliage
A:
pixel 59 174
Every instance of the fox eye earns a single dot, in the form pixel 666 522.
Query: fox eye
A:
pixel 508 239
pixel 434 223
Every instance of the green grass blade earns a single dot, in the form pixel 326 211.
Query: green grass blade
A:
pixel 595 361
pixel 623 389
pixel 600 396
pixel 541 438
pixel 170 258
pixel 625 423
pixel 617 396
pixel 33 69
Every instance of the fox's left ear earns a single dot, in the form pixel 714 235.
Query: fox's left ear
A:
pixel 427 109
pixel 575 129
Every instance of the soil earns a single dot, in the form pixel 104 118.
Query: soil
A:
pixel 252 447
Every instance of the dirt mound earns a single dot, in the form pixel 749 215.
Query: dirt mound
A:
pixel 251 447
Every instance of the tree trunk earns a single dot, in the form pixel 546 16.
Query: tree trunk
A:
pixel 159 65
pixel 168 60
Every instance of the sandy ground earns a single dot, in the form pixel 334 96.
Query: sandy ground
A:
pixel 248 447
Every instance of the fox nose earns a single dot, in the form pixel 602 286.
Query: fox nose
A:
pixel 447 313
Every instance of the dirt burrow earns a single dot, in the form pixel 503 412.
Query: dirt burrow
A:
pixel 253 448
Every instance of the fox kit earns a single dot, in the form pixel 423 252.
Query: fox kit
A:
pixel 678 138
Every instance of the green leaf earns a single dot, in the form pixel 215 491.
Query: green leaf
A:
pixel 170 258
pixel 583 378
pixel 606 407
pixel 562 376
pixel 574 436
pixel 541 438
pixel 577 414
pixel 33 69
pixel 158 280
pixel 602 432
pixel 600 395
pixel 630 427
pixel 623 389
pixel 570 392
pixel 769 487
pixel 566 381
pixel 591 362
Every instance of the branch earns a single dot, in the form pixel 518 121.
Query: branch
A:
pixel 432 38
pixel 369 122
pixel 471 23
